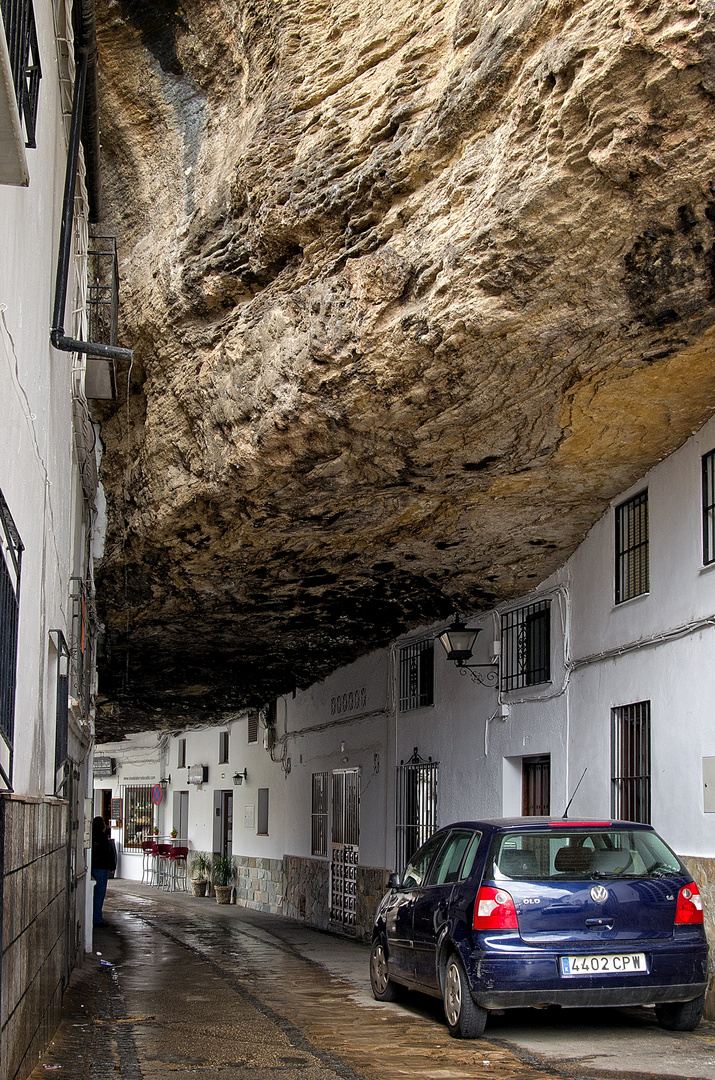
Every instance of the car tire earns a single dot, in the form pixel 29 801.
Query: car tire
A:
pixel 680 1015
pixel 465 1019
pixel 383 988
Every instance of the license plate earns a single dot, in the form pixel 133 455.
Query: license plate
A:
pixel 608 964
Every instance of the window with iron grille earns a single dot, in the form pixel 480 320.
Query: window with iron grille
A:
pixel 632 557
pixel 253 727
pixel 709 508
pixel 319 815
pixel 138 816
pixel 416 675
pixel 526 646
pixel 21 36
pixel 222 747
pixel 416 806
pixel 11 549
pixel 61 707
pixel 536 786
pixel 630 762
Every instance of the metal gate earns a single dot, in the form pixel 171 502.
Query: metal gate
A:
pixel 416 806
pixel 345 846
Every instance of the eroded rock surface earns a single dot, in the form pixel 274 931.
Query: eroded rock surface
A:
pixel 415 289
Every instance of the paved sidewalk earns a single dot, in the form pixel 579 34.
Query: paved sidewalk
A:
pixel 181 987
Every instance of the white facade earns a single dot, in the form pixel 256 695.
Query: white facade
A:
pixel 654 652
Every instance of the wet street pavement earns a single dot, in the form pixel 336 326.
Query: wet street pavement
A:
pixel 180 987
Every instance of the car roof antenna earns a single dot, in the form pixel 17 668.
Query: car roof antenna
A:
pixel 566 811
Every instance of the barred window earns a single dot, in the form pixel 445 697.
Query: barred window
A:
pixel 630 758
pixel 138 816
pixel 319 815
pixel 417 675
pixel 19 21
pixel 632 555
pixel 709 508
pixel 11 549
pixel 526 646
pixel 416 806
pixel 223 747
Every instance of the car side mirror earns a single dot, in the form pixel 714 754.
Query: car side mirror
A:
pixel 393 882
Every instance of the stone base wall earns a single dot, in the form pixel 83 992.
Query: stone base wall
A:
pixel 307 884
pixel 259 883
pixel 371 887
pixel 703 871
pixel 34 930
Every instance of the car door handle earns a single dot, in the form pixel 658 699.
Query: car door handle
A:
pixel 602 924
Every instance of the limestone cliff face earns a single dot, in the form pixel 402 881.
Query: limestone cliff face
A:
pixel 415 289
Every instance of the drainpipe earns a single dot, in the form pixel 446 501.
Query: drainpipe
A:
pixel 85 66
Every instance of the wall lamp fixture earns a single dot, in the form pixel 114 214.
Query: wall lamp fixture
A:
pixel 458 642
pixel 239 777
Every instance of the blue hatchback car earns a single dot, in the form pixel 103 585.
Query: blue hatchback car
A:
pixel 509 913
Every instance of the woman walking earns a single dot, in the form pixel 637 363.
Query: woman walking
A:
pixel 104 863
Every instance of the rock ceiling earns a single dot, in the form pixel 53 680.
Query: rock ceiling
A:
pixel 414 288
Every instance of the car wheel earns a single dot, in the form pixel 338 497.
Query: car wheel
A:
pixel 383 988
pixel 465 1019
pixel 680 1015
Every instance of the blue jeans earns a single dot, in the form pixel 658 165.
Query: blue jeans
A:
pixel 101 878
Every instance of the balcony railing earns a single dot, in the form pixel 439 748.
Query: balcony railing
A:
pixel 21 36
pixel 103 313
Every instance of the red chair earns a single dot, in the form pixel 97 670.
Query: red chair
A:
pixel 149 862
pixel 179 872
pixel 163 864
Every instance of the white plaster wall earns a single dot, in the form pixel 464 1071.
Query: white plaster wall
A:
pixel 37 474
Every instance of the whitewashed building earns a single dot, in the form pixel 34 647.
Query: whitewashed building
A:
pixel 597 689
pixel 50 509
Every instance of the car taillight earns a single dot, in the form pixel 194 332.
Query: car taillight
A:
pixel 494 910
pixel 689 908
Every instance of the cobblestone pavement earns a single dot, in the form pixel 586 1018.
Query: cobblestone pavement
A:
pixel 180 987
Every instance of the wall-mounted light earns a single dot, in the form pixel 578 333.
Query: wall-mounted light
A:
pixel 458 642
pixel 239 777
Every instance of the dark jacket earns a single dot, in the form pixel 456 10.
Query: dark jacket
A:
pixel 104 855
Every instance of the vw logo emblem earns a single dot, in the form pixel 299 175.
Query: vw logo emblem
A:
pixel 599 894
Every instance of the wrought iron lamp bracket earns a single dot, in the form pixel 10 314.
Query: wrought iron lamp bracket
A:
pixel 490 677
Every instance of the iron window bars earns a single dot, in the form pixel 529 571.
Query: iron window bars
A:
pixel 416 806
pixel 319 814
pixel 11 549
pixel 632 561
pixel 61 708
pixel 630 762
pixel 526 646
pixel 138 816
pixel 416 675
pixel 21 36
pixel 709 508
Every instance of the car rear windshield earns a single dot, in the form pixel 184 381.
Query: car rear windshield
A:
pixel 564 853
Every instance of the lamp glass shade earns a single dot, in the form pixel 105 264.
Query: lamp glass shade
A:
pixel 458 641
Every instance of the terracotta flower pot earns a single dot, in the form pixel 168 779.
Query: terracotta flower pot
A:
pixel 223 894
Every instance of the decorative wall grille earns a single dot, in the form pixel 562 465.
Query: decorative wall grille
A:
pixel 416 806
pixel 632 562
pixel 630 758
pixel 526 646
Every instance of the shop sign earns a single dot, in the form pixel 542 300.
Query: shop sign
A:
pixel 104 766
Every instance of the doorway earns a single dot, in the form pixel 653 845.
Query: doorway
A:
pixel 345 846
pixel 223 823
pixel 536 786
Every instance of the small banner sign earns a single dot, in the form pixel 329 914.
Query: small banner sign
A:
pixel 104 766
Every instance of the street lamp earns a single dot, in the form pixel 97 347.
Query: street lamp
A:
pixel 458 642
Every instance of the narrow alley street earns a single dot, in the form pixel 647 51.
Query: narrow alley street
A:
pixel 182 987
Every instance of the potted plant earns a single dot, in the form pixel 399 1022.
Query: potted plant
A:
pixel 174 834
pixel 156 830
pixel 223 872
pixel 199 868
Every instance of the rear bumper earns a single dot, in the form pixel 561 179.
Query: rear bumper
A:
pixel 521 976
